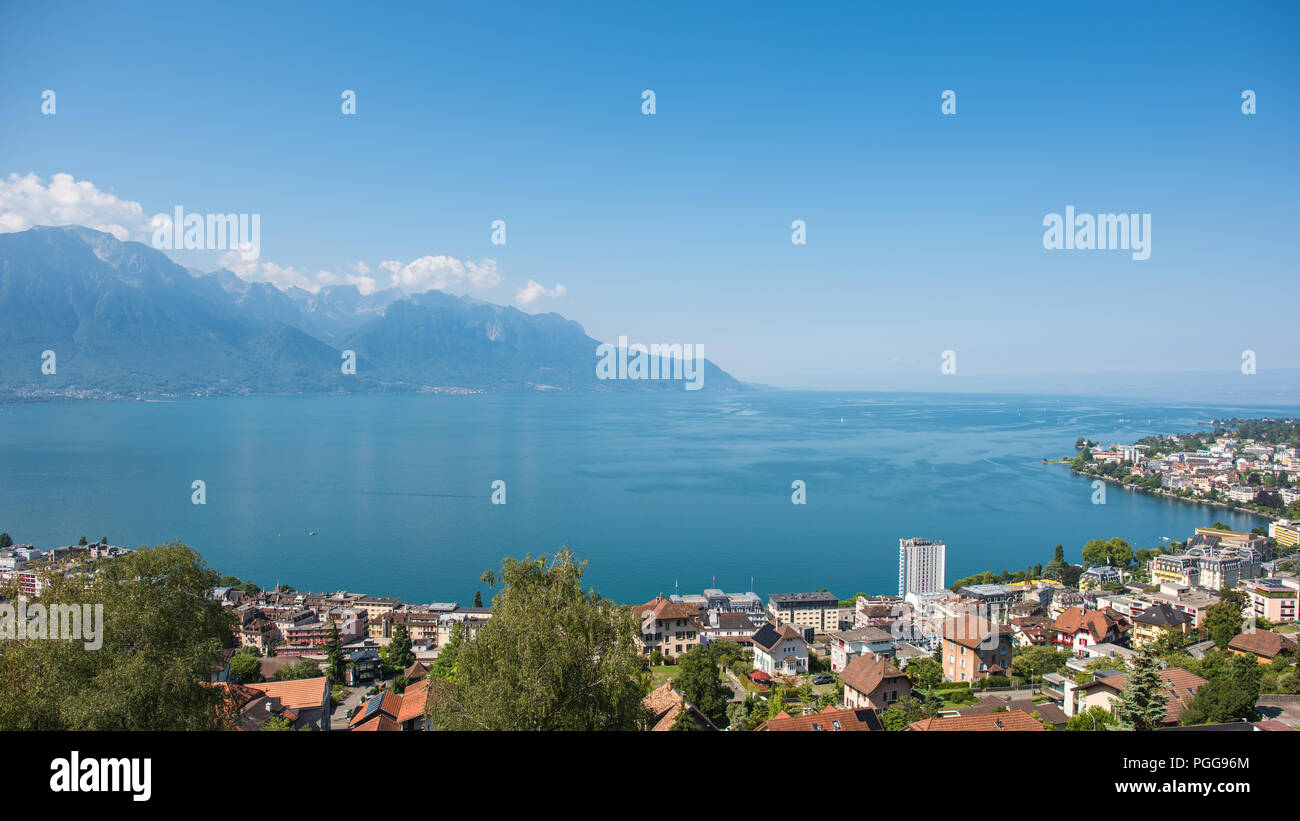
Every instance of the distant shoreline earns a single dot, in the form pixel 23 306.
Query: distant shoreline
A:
pixel 1161 493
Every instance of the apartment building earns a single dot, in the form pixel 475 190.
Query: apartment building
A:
pixel 920 566
pixel 821 611
pixel 974 648
pixel 1285 532
pixel 375 608
pixel 1273 599
pixel 1157 621
pixel 668 627
pixel 873 681
pixel 847 645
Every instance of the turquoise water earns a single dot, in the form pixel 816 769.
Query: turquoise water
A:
pixel 654 490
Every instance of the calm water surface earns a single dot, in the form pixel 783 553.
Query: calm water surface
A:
pixel 656 491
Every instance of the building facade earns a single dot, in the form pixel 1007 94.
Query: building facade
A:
pixel 920 566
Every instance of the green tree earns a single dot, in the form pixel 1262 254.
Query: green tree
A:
pixel 306 668
pixel 400 655
pixel 444 666
pixel 700 680
pixel 1034 662
pixel 552 657
pixel 902 713
pixel 336 665
pixel 745 715
pixel 1142 702
pixel 1094 718
pixel 685 721
pixel 246 667
pixel 478 598
pixel 1223 619
pixel 5 541
pixel 924 672
pixel 776 702
pixel 161 639
pixel 277 724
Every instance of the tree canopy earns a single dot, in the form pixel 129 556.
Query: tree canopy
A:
pixel 162 638
pixel 552 657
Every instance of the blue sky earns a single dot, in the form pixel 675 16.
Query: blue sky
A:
pixel 924 230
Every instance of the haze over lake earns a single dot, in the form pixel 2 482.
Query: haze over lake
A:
pixel 655 490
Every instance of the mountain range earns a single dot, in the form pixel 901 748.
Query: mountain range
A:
pixel 124 319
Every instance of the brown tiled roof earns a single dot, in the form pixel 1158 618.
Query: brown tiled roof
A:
pixel 1015 721
pixel 270 665
pixel 415 672
pixel 390 704
pixel 665 609
pixel 1096 622
pixel 1177 684
pixel 970 631
pixel 829 720
pixel 1050 712
pixel 664 704
pixel 1263 643
pixel 867 672
pixel 381 724
pixel 298 694
pixel 413 701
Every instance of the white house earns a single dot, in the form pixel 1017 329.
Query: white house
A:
pixel 849 644
pixel 780 651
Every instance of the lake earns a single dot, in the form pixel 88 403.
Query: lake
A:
pixel 657 491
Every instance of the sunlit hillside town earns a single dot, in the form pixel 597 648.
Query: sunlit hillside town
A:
pixel 1224 467
pixel 1052 647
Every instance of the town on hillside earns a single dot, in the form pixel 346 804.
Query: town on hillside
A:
pixel 1198 633
pixel 1250 464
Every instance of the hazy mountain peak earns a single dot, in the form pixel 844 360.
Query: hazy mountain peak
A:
pixel 125 319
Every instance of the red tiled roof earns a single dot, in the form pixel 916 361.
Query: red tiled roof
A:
pixel 1263 643
pixel 1177 684
pixel 413 701
pixel 1097 623
pixel 828 720
pixel 971 631
pixel 390 704
pixel 381 724
pixel 298 694
pixel 665 704
pixel 665 609
pixel 867 672
pixel 1015 721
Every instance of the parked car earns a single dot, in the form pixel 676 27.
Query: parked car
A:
pixel 823 678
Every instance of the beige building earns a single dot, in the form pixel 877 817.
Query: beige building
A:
pixel 1273 599
pixel 821 611
pixel 973 648
pixel 668 627
pixel 376 607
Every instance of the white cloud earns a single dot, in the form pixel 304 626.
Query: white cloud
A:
pixel 441 272
pixel 534 291
pixel 444 273
pixel 26 201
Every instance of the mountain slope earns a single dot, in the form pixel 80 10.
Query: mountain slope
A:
pixel 124 319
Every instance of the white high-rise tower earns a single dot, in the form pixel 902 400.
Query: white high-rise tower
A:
pixel 920 566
